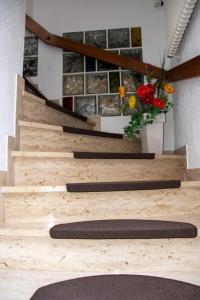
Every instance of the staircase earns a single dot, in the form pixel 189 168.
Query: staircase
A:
pixel 87 203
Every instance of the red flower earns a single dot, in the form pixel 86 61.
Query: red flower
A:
pixel 146 91
pixel 157 102
pixel 148 100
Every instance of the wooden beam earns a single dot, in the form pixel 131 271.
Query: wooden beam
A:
pixel 87 50
pixel 187 70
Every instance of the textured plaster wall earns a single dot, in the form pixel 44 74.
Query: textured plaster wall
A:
pixel 12 18
pixel 187 96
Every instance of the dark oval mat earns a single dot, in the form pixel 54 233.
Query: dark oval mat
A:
pixel 122 186
pixel 118 287
pixel 123 229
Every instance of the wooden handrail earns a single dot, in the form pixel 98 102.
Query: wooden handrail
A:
pixel 188 69
pixel 87 50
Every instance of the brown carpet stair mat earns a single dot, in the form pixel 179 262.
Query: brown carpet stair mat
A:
pixel 123 229
pixel 92 132
pixel 122 186
pixel 118 287
pixel 110 155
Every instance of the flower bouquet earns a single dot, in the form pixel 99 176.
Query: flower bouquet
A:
pixel 149 100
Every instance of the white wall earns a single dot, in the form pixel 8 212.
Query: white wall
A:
pixel 78 15
pixel 74 15
pixel 12 18
pixel 187 96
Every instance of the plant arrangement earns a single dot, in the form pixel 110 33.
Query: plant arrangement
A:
pixel 148 101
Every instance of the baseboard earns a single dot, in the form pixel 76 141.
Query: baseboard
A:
pixel 3 178
pixel 193 175
pixel 181 150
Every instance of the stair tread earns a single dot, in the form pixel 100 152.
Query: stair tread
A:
pixel 112 155
pixel 118 287
pixel 123 229
pixel 62 188
pixel 122 186
pixel 65 110
pixel 92 132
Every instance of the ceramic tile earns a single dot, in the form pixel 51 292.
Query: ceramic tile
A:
pixel 136 37
pixel 109 105
pixel 85 105
pixel 130 80
pixel 30 46
pixel 96 38
pixel 68 102
pixel 75 36
pixel 73 84
pixel 30 67
pixel 73 62
pixel 114 82
pixel 90 64
pixel 133 53
pixel 96 83
pixel 104 66
pixel 118 38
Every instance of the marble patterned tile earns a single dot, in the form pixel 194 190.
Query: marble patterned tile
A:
pixel 109 105
pixel 136 37
pixel 30 67
pixel 118 38
pixel 130 80
pixel 132 53
pixel 104 66
pixel 30 46
pixel 75 36
pixel 114 80
pixel 96 38
pixel 73 62
pixel 85 105
pixel 73 84
pixel 96 83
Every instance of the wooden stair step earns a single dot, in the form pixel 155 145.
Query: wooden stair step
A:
pixel 25 204
pixel 118 287
pixel 112 155
pixel 45 111
pixel 44 137
pixel 65 110
pixel 92 132
pixel 123 229
pixel 122 186
pixel 51 168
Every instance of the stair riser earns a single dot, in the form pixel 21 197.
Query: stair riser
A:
pixel 43 253
pixel 58 171
pixel 72 207
pixel 37 112
pixel 16 285
pixel 33 139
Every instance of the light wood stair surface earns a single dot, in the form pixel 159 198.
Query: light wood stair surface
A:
pixel 42 167
pixel 38 204
pixel 51 168
pixel 44 137
pixel 36 110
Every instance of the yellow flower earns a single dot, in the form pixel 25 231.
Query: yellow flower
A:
pixel 122 92
pixel 132 102
pixel 169 88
